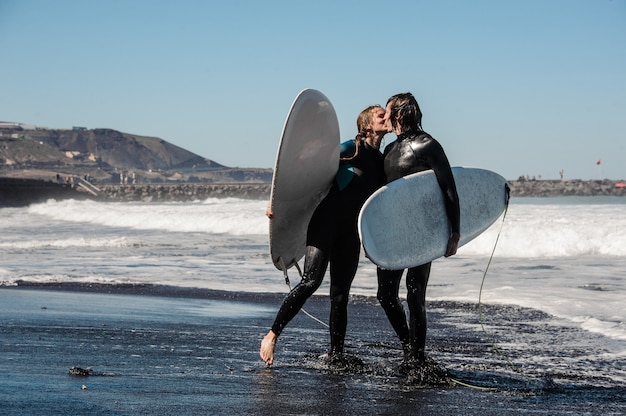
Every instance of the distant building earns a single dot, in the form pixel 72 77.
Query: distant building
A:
pixel 78 128
pixel 12 125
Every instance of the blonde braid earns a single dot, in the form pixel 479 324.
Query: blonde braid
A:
pixel 363 123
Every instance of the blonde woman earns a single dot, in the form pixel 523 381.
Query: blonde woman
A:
pixel 332 235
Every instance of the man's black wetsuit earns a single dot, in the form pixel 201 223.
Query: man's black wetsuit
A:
pixel 410 154
pixel 332 236
pixel 417 153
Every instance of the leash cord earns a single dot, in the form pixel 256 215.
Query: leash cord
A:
pixel 480 307
pixel 284 269
pixel 480 303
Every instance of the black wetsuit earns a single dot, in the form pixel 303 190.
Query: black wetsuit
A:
pixel 332 236
pixel 410 154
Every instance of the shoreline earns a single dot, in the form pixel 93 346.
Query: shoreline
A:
pixel 167 355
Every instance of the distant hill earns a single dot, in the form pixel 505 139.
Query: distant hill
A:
pixel 108 156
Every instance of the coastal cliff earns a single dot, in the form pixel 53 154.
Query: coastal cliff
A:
pixel 108 156
pixel 37 164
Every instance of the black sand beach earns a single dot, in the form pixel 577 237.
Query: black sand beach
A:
pixel 157 350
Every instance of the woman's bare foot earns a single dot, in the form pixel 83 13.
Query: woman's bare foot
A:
pixel 268 211
pixel 267 347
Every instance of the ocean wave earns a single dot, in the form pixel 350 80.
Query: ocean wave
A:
pixel 66 243
pixel 529 230
pixel 228 216
pixel 555 231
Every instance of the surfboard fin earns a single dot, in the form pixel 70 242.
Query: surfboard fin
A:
pixel 507 196
pixel 281 263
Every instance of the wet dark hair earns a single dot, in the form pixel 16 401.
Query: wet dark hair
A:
pixel 405 113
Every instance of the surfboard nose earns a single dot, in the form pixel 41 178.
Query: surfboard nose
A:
pixel 306 164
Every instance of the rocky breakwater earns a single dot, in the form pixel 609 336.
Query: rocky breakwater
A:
pixel 184 192
pixel 191 191
pixel 21 192
pixel 18 192
pixel 572 187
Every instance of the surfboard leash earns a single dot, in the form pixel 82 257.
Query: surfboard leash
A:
pixel 480 308
pixel 284 269
pixel 471 386
pixel 480 294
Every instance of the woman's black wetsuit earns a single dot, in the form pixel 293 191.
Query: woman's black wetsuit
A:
pixel 410 154
pixel 332 236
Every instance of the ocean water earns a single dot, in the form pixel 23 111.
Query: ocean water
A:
pixel 564 256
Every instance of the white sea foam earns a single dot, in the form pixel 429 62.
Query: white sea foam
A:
pixel 566 257
pixel 529 230
pixel 559 230
pixel 228 216
pixel 32 244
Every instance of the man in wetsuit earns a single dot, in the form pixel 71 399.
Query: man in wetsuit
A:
pixel 414 151
pixel 332 234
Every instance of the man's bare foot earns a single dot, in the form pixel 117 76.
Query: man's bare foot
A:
pixel 267 347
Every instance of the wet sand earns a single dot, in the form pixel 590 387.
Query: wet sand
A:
pixel 155 350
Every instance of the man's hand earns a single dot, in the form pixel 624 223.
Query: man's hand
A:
pixel 453 244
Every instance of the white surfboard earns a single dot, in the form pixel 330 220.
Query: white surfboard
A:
pixel 306 164
pixel 404 224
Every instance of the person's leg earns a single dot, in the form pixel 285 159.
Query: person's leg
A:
pixel 317 255
pixel 315 264
pixel 388 287
pixel 343 266
pixel 416 282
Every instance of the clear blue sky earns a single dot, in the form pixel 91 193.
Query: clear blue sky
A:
pixel 519 87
